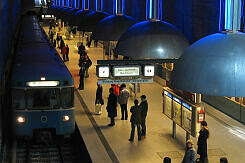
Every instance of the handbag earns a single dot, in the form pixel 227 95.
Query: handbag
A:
pixel 98 109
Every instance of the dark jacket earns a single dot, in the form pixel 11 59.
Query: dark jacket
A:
pixel 98 99
pixel 202 142
pixel 82 71
pixel 112 105
pixel 136 114
pixel 190 156
pixel 86 61
pixel 144 106
pixel 67 50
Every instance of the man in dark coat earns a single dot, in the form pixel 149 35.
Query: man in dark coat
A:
pixel 81 74
pixel 202 142
pixel 135 120
pixel 112 106
pixel 81 50
pixel 144 107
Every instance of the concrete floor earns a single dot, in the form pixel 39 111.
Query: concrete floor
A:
pixel 227 136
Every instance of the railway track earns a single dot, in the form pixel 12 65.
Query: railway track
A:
pixel 47 149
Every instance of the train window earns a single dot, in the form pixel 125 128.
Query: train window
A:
pixel 67 95
pixel 18 99
pixel 47 98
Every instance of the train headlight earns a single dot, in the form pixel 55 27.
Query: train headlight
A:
pixel 21 119
pixel 66 118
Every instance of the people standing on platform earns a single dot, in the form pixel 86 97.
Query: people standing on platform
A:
pixel 99 92
pixel 67 52
pixel 87 63
pixel 144 107
pixel 62 44
pixel 123 101
pixel 112 106
pixel 81 50
pixel 202 142
pixel 81 74
pixel 99 100
pixel 135 120
pixel 58 40
pixel 51 36
pixel 63 52
pixel 54 43
pixel 190 153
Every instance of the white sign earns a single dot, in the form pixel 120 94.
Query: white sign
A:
pixel 104 72
pixel 110 81
pixel 126 71
pixel 149 70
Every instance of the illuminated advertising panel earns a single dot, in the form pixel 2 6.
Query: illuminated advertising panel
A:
pixel 177 110
pixel 126 71
pixel 149 70
pixel 103 72
pixel 186 116
pixel 167 104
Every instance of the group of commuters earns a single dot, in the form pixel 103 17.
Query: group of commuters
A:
pixel 64 49
pixel 84 64
pixel 139 111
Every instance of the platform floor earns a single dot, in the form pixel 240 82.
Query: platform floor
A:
pixel 110 144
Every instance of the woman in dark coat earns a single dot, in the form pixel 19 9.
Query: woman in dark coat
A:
pixel 99 91
pixel 202 142
pixel 112 106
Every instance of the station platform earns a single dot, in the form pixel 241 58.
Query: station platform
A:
pixel 110 144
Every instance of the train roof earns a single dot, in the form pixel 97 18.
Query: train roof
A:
pixel 38 59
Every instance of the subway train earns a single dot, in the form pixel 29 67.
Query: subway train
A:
pixel 42 88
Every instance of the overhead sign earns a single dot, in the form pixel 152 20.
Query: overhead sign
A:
pixel 109 81
pixel 126 71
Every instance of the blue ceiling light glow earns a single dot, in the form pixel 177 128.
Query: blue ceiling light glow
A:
pixel 96 5
pixel 78 4
pixel 99 5
pixel 150 9
pixel 75 5
pixel 232 15
pixel 118 8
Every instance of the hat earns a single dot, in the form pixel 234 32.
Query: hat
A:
pixel 189 142
pixel 143 96
pixel 204 123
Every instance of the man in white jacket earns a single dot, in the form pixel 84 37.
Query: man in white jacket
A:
pixel 123 101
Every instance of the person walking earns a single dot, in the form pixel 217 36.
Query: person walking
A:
pixel 62 44
pixel 67 52
pixel 202 142
pixel 81 50
pixel 99 92
pixel 123 101
pixel 190 153
pixel 135 120
pixel 63 51
pixel 54 43
pixel 112 106
pixel 144 106
pixel 81 74
pixel 99 100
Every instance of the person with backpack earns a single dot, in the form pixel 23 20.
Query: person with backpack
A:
pixel 135 120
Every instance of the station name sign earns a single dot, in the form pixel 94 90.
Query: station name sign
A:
pixel 110 81
pixel 126 71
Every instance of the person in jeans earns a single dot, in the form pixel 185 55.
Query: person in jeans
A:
pixel 135 120
pixel 123 101
pixel 144 106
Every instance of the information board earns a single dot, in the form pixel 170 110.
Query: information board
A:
pixel 181 111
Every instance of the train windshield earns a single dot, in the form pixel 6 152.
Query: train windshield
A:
pixel 67 95
pixel 43 98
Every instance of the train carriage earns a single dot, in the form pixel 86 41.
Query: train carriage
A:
pixel 42 87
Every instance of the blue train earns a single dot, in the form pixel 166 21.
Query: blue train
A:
pixel 42 88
